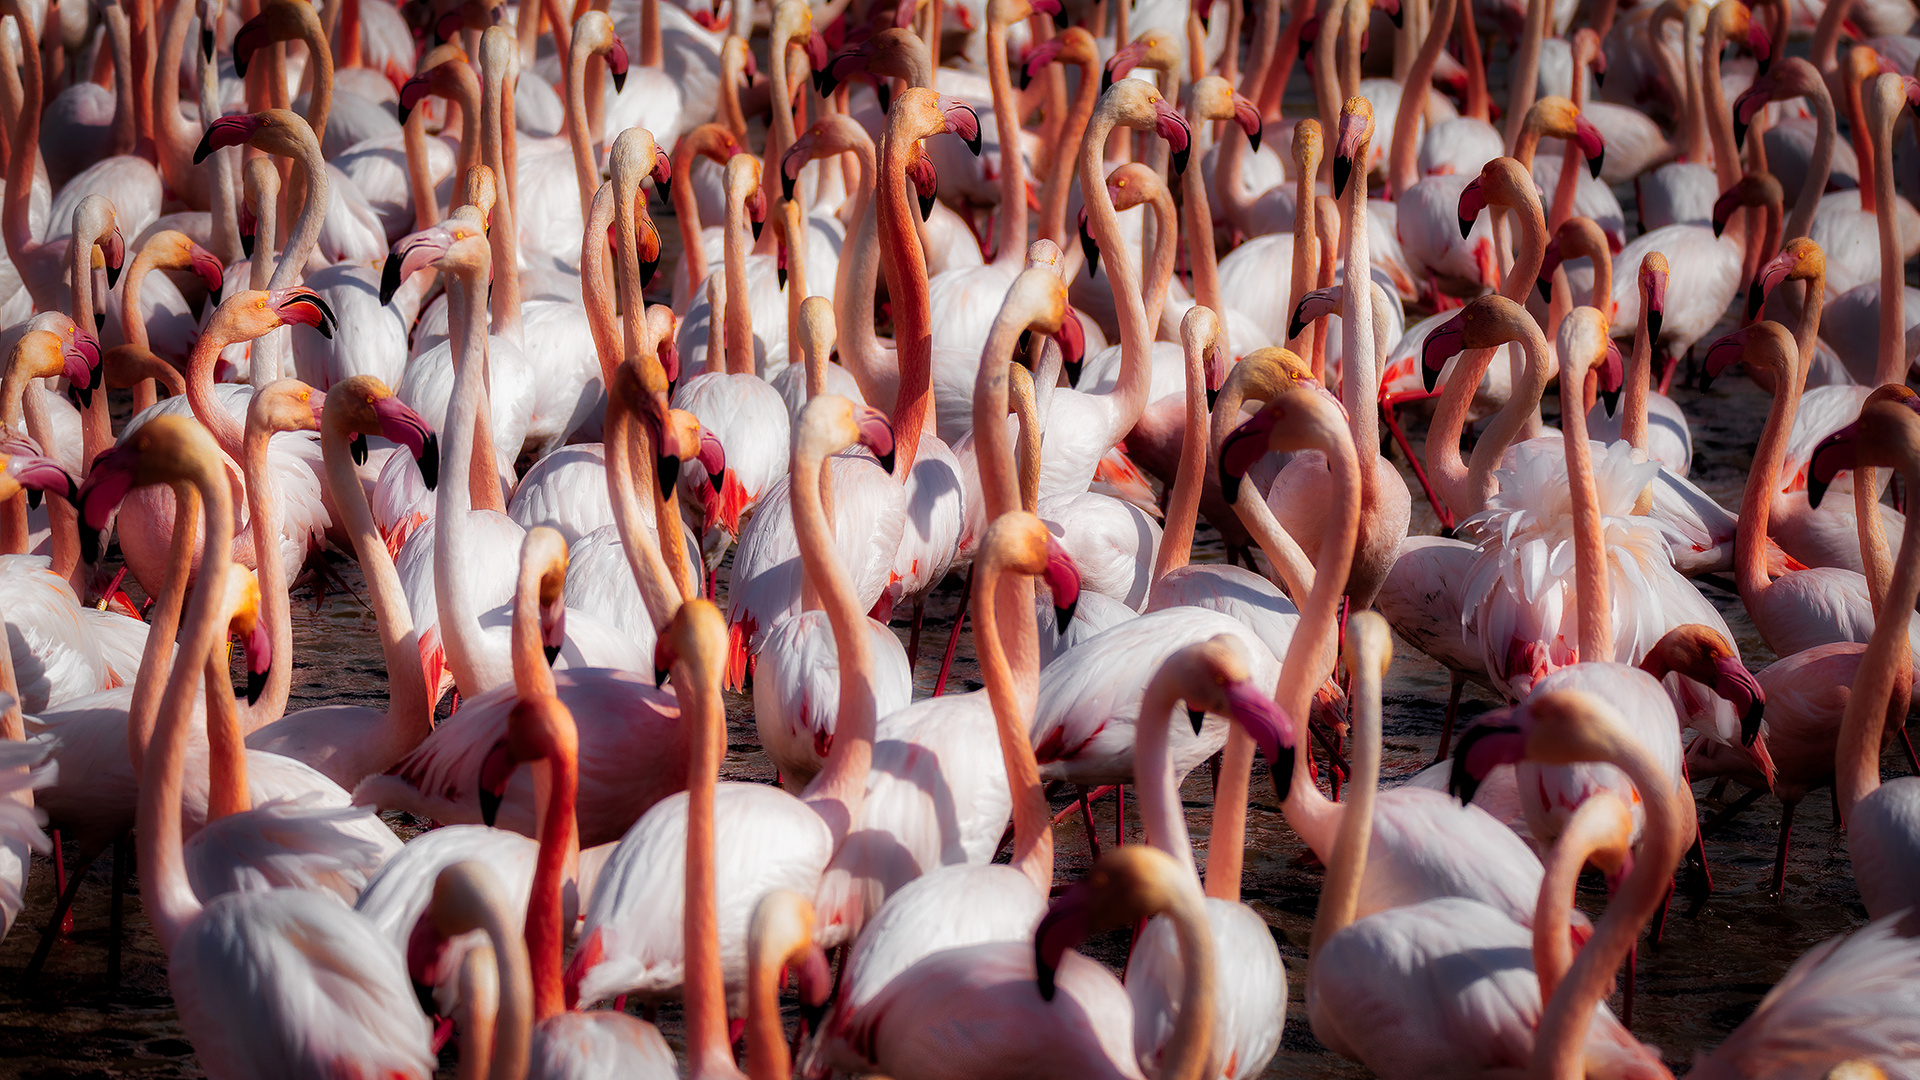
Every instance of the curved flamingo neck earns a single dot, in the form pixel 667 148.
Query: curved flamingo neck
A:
pixel 596 285
pixel 452 533
pixel 1769 456
pixel 409 714
pixel 739 358
pixel 643 551
pixel 157 654
pixel 426 206
pixel 501 235
pixel 1510 424
pixel 559 852
pixel 1559 1048
pixel 167 895
pixel 1160 807
pixel 904 261
pixel 1202 260
pixel 1360 373
pixel 1001 487
pixel 856 283
pixel 1824 52
pixel 1183 506
pixel 700 142
pixel 708 1049
pixel 1526 70
pixel 1402 167
pixel 265 514
pixel 1633 423
pixel 1857 757
pixel 1128 398
pixel 839 789
pixel 226 749
pixel 173 134
pixel 1800 223
pixel 200 397
pixel 1166 239
pixel 292 267
pixel 1011 236
pixel 1289 561
pixel 1032 830
pixel 1592 589
pixel 1053 204
pixel 26 141
pixel 1892 364
pixel 586 170
pixel 1726 156
pixel 1340 896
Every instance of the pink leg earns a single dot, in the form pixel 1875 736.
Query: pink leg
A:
pixel 913 637
pixel 1666 374
pixel 953 639
pixel 1626 995
pixel 60 880
pixel 1119 815
pixel 1086 814
pixel 1388 406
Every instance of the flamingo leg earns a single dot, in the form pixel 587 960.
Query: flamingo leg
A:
pixel 62 912
pixel 1718 789
pixel 1388 405
pixel 1734 810
pixel 913 637
pixel 1453 710
pixel 1780 852
pixel 1660 916
pixel 1120 815
pixel 60 878
pixel 1906 743
pixel 1666 373
pixel 953 639
pixel 1086 814
pixel 1626 994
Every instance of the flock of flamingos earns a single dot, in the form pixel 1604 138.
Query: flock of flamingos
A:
pixel 402 311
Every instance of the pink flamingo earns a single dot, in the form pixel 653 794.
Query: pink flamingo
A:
pixel 283 944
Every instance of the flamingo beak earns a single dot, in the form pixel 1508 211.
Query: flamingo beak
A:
pixel 876 434
pixel 1612 378
pixel 224 132
pixel 1473 199
pixel 208 269
pixel 246 41
pixel 1592 145
pixel 495 770
pixel 403 425
pixel 1770 277
pixel 1171 126
pixel 713 458
pixel 1088 247
pixel 1314 305
pixel 304 307
pixel 1270 727
pixel 617 64
pixel 1721 356
pixel 1247 115
pixel 1836 453
pixel 1062 578
pixel 1482 747
pixel 792 162
pixel 411 93
pixel 259 659
pixel 962 121
pixel 1066 924
pixel 1443 343
pixel 1737 685
pixel 1124 59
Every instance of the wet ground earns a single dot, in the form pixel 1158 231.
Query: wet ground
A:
pixel 1708 973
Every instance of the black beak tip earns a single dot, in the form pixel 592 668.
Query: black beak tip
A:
pixel 1546 289
pixel 926 206
pixel 246 244
pixel 718 481
pixel 1719 227
pixel 1253 140
pixel 648 268
pixel 1599 79
pixel 1072 368
pixel 89 545
pixel 256 682
pixel 757 226
pixel 668 467
pixel 1045 980
pixel 1594 164
pixel 1611 399
pixel 1755 301
pixel 206 44
pixel 1229 487
pixel 553 653
pixel 33 498
pixel 1212 397
pixel 84 394
pixel 1106 80
pixel 885 93
pixel 357 449
pixel 1026 80
pixel 1179 159
pixel 973 144
pixel 201 151
pixel 786 186
pixel 886 462
pixel 1429 377
pixel 1198 718
pixel 619 82
pixel 113 278
pixel 1750 723
pixel 1282 774
pixel 402 112
pixel 660 676
pixel 489 807
pixel 1705 382
pixel 389 278
pixel 1654 321
pixel 429 462
pixel 1739 133
pixel 1466 226
pixel 1342 172
pixel 1063 617
pixel 780 276
pixel 1816 490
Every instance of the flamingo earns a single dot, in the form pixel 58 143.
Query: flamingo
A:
pixel 1002 1008
pixel 1449 972
pixel 622 948
pixel 281 943
pixel 1648 419
pixel 1880 834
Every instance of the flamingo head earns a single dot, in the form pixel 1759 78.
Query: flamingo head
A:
pixel 1355 135
pixel 1473 199
pixel 1315 305
pixel 1126 885
pixel 1213 677
pixel 207 267
pixel 1073 345
pixel 1721 355
pixel 1610 376
pixel 843 65
pixel 245 623
pixel 961 120
pixel 1653 292
pixel 616 58
pixel 1247 115
pixel 80 362
pixel 1062 577
pixel 364 406
pixel 1486 744
pixel 1800 260
pixel 926 182
pixel 1840 451
pixel 1038 57
pixel 227 131
pixel 1443 343
pixel 165 449
pixel 421 250
pixel 301 306
pixel 34 475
